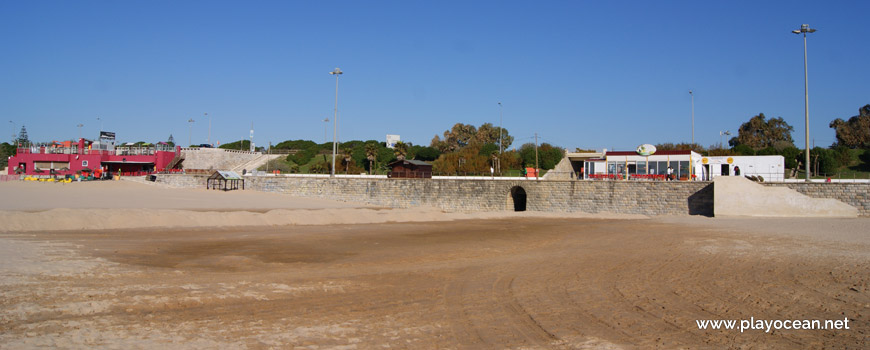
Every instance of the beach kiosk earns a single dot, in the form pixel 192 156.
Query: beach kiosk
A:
pixel 224 180
pixel 414 169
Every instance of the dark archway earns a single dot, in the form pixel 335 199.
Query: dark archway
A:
pixel 518 194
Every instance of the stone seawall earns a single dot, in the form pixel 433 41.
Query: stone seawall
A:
pixel 629 197
pixel 854 194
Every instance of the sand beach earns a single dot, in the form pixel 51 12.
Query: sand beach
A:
pixel 107 265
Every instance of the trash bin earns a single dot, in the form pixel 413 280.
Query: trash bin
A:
pixel 152 178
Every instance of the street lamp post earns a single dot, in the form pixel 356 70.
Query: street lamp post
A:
pixel 208 140
pixel 693 116
pixel 336 73
pixel 14 138
pixel 80 130
pixel 101 124
pixel 190 132
pixel 726 133
pixel 325 125
pixel 805 28
pixel 500 123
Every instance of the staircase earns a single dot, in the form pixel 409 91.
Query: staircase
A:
pixel 257 162
pixel 179 157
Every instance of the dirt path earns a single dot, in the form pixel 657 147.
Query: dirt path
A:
pixel 526 283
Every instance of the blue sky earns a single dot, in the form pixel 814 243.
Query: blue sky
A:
pixel 591 74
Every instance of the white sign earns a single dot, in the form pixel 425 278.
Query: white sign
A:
pixel 646 149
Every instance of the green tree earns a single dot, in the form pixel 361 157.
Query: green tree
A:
pixel 854 133
pixel 684 146
pixel 463 135
pixel 548 156
pixel 6 151
pixel 371 155
pixel 760 132
pixel 241 145
pixel 423 153
pixel 400 149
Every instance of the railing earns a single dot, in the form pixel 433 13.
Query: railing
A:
pixel 209 149
pixel 120 151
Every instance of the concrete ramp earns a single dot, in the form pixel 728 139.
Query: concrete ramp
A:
pixel 738 196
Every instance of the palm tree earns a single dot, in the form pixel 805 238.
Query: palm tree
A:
pixel 371 155
pixel 347 158
pixel 400 149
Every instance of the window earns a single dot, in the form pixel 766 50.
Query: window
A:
pixel 684 169
pixel 641 167
pixel 84 163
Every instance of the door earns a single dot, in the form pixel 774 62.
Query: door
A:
pixel 726 170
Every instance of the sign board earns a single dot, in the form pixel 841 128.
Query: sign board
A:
pixel 392 140
pixel 107 135
pixel 646 149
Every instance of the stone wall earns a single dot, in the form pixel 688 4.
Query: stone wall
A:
pixel 215 158
pixel 854 194
pixel 182 181
pixel 630 197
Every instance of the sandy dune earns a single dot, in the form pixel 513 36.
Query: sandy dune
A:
pixel 438 281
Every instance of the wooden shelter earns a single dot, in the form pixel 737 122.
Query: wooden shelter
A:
pixel 413 169
pixel 224 180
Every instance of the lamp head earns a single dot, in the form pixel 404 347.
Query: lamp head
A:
pixel 805 28
pixel 336 71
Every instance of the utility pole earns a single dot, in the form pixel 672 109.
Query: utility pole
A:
pixel 536 156
pixel 251 143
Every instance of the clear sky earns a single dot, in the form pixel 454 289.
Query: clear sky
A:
pixel 591 74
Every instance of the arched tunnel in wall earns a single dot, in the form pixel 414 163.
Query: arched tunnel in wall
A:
pixel 518 198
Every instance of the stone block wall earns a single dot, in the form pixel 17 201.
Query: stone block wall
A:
pixel 629 197
pixel 181 180
pixel 854 194
pixel 215 158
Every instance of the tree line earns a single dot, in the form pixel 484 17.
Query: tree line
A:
pixel 462 149
pixel 763 136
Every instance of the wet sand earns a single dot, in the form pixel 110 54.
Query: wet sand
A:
pixel 497 283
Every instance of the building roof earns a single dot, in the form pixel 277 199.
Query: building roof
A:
pixel 658 153
pixel 226 175
pixel 410 161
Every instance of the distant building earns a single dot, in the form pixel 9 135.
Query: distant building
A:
pixel 392 140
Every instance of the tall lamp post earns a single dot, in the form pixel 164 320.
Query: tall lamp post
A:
pixel 805 28
pixel 80 130
pixel 101 124
pixel 500 123
pixel 325 125
pixel 14 137
pixel 336 73
pixel 726 133
pixel 190 132
pixel 693 116
pixel 208 140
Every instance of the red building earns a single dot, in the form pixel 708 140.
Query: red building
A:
pixel 69 158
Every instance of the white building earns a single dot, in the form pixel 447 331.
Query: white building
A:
pixel 770 168
pixel 684 165
pixel 392 140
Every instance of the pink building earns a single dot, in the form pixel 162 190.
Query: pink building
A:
pixel 68 159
